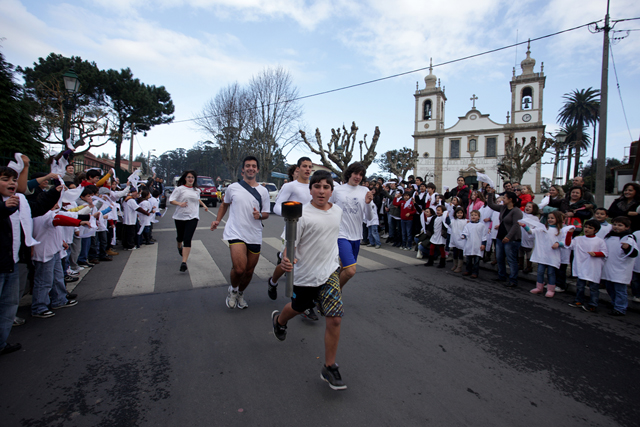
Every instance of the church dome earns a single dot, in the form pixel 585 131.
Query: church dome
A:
pixel 430 80
pixel 528 63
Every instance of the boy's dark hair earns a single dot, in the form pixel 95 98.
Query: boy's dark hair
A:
pixel 144 194
pixel 89 190
pixel 475 211
pixel 433 213
pixel 460 209
pixel 7 171
pixel 291 171
pixel 516 200
pixel 357 168
pixel 248 159
pixel 303 159
pixel 183 178
pixel 155 193
pixel 92 174
pixel 431 185
pixel 319 176
pixel 593 224
pixel 602 209
pixel 535 210
pixel 622 220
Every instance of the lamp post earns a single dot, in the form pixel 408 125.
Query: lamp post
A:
pixel 560 138
pixel 71 84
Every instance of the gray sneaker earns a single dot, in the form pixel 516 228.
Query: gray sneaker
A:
pixel 240 302
pixel 232 298
pixel 278 330
pixel 331 374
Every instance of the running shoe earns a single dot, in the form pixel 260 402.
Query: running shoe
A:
pixel 331 374
pixel 44 314
pixel 70 303
pixel 183 266
pixel 272 290
pixel 232 298
pixel 310 314
pixel 18 321
pixel 576 304
pixel 241 303
pixel 278 330
pixel 590 308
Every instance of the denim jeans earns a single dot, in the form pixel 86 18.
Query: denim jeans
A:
pixel 406 232
pixel 594 292
pixel 84 249
pixel 509 251
pixel 48 285
pixel 365 232
pixel 635 284
pixel 74 250
pixel 397 231
pixel 618 294
pixel 102 242
pixel 473 264
pixel 561 276
pixel 94 249
pixel 374 235
pixel 551 274
pixel 9 299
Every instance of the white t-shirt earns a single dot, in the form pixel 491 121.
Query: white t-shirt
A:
pixel 605 228
pixel 49 236
pixel 585 266
pixel 316 245
pixel 350 199
pixel 474 234
pixel 192 197
pixel 457 226
pixel 129 212
pixel 618 266
pixel 144 219
pixel 241 224
pixel 292 191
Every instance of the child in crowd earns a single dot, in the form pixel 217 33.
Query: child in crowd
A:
pixel 439 237
pixel 407 210
pixel 495 224
pixel 86 199
pixel 457 244
pixel 144 218
pixel 475 235
pixel 589 253
pixel 601 216
pixel 527 241
pixel 547 242
pixel 424 238
pixel 372 225
pixel 618 266
pixel 526 196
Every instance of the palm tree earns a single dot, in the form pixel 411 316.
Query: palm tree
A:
pixel 575 140
pixel 580 109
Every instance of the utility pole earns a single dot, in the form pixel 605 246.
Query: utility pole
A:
pixel 602 134
pixel 131 149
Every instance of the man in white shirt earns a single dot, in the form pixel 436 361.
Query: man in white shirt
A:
pixel 297 191
pixel 248 204
pixel 315 279
pixel 352 198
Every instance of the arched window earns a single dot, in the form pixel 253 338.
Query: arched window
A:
pixel 527 98
pixel 426 110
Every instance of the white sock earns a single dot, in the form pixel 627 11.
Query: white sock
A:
pixel 271 282
pixel 234 289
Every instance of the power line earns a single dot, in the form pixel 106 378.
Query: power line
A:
pixel 393 76
pixel 615 72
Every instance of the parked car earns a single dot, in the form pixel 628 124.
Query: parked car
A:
pixel 208 192
pixel 273 192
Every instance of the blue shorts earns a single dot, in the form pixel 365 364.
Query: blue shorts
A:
pixel 348 250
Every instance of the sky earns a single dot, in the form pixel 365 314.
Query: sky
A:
pixel 194 48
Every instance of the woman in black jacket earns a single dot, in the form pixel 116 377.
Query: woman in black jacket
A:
pixel 627 205
pixel 461 191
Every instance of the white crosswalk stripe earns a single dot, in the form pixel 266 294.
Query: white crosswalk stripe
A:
pixel 203 270
pixel 397 256
pixel 139 275
pixel 264 269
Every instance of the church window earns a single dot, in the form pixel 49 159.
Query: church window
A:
pixel 527 98
pixel 455 149
pixel 426 115
pixel 473 145
pixel 491 147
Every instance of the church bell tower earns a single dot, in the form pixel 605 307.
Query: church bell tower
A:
pixel 526 93
pixel 430 105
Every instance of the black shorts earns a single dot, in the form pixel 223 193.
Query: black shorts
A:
pixel 328 295
pixel 253 248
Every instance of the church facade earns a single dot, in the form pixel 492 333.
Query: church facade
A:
pixel 476 143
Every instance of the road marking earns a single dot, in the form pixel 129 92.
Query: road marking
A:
pixel 398 256
pixel 203 270
pixel 174 230
pixel 139 275
pixel 264 269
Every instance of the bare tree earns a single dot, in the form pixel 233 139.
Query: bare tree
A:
pixel 519 157
pixel 339 152
pixel 398 162
pixel 226 119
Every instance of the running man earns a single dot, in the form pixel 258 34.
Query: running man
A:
pixel 297 191
pixel 248 204
pixel 352 198
pixel 315 276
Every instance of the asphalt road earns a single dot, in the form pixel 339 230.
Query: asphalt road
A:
pixel 419 346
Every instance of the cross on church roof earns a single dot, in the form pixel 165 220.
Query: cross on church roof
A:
pixel 474 98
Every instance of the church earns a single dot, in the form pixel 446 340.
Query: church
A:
pixel 476 143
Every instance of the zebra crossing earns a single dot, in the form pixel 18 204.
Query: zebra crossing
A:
pixel 139 274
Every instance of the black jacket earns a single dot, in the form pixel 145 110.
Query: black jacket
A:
pixel 39 207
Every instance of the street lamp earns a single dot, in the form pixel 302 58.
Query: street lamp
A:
pixel 560 147
pixel 71 84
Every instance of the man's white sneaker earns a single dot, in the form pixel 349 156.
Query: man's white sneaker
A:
pixel 232 298
pixel 240 302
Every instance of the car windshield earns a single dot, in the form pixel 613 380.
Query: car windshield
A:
pixel 271 187
pixel 205 182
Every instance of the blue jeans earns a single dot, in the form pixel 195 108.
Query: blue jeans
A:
pixel 84 250
pixel 9 300
pixel 102 243
pixel 473 264
pixel 551 274
pixel 594 292
pixel 374 235
pixel 509 251
pixel 395 233
pixel 618 294
pixel 406 232
pixel 48 285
